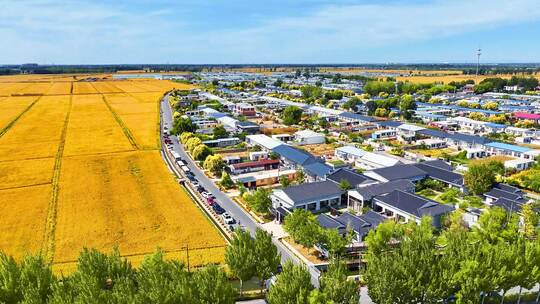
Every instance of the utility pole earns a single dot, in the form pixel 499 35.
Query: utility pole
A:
pixel 478 53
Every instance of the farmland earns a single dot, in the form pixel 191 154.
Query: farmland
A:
pixel 80 167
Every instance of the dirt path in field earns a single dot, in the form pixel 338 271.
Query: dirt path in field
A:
pixel 9 125
pixel 52 211
pixel 122 125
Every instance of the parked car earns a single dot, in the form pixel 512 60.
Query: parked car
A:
pixel 227 218
pixel 218 209
pixel 194 182
pixel 211 200
pixel 206 194
pixel 201 189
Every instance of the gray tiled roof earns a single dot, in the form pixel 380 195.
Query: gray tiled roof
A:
pixel 441 174
pixel 328 222
pixel 318 169
pixel 413 204
pixel 399 172
pixel 311 191
pixel 354 178
pixel 498 193
pixel 295 155
pixel 357 117
pixel 508 188
pixel 508 205
pixel 439 163
pixel 362 224
pixel 370 191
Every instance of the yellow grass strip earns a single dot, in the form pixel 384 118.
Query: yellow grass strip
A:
pixel 121 123
pixel 50 224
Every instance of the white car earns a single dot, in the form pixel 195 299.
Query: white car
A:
pixel 227 218
pixel 206 194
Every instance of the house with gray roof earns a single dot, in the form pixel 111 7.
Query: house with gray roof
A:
pixel 435 171
pixel 354 178
pixel 408 171
pixel 361 225
pixel 362 196
pixel 314 197
pixel 404 207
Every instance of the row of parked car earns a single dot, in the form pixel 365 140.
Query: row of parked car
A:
pixel 210 198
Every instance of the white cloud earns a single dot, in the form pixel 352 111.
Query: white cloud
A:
pixel 116 32
pixel 371 26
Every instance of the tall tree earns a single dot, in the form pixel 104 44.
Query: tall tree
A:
pixel 220 132
pixel 335 288
pixel 479 179
pixel 162 281
pixel 212 287
pixel 303 227
pixel 200 152
pixel 214 164
pixel 259 200
pixel 266 255
pixel 291 115
pixel 183 124
pixel 293 285
pixel 240 258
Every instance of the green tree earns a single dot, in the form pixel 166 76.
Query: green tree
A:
pixel 220 132
pixel 200 152
pixel 291 115
pixel 259 200
pixel 182 124
pixel 266 255
pixel 284 181
pixel 226 181
pixel 334 242
pixel 162 281
pixel 185 136
pixel 407 106
pixel 240 258
pixel 293 285
pixel 300 177
pixel 335 288
pixel 212 286
pixel 479 179
pixel 214 164
pixel 10 289
pixel 192 143
pixel 303 227
pixel 311 92
pixel 401 273
pixel 344 185
pixel 381 112
pixel 352 103
pixel 530 221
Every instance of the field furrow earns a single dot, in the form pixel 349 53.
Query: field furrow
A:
pixel 92 128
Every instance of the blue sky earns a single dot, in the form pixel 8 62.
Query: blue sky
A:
pixel 268 31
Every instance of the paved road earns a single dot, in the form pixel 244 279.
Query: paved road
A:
pixel 231 207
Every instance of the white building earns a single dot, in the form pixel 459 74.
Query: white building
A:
pixel 263 141
pixel 518 164
pixel 349 153
pixel 372 160
pixel 308 137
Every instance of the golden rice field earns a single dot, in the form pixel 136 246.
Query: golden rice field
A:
pixel 84 170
